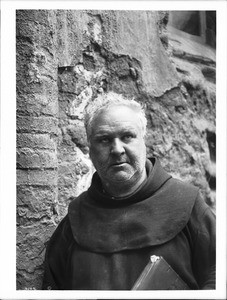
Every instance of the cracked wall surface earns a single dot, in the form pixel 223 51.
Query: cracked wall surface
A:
pixel 64 59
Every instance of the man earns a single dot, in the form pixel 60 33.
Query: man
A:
pixel 132 210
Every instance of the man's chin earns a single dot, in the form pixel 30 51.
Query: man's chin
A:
pixel 120 176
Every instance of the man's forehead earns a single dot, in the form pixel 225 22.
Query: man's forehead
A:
pixel 117 118
pixel 116 127
pixel 117 114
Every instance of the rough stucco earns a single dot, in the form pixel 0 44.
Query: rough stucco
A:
pixel 111 31
pixel 64 58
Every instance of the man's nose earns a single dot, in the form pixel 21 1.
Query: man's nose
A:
pixel 117 147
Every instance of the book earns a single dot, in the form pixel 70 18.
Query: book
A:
pixel 159 275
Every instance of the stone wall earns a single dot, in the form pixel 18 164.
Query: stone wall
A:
pixel 37 138
pixel 64 59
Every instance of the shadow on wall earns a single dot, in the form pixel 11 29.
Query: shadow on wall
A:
pixel 198 23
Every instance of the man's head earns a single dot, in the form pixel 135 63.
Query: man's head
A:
pixel 107 100
pixel 115 129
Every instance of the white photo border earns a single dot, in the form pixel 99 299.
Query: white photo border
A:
pixel 8 149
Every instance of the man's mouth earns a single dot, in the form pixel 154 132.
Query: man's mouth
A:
pixel 119 163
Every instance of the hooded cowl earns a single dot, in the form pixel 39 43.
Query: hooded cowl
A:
pixel 152 216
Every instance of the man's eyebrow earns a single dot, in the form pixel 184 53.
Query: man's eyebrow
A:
pixel 129 129
pixel 107 132
pixel 102 132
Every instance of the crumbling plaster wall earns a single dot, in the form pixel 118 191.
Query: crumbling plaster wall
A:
pixel 66 57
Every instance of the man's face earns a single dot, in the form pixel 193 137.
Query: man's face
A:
pixel 117 147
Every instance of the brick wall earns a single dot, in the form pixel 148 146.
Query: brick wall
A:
pixel 37 135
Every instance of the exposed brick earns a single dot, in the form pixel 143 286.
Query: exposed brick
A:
pixel 31 241
pixel 33 80
pixel 36 26
pixel 30 158
pixel 29 281
pixel 36 141
pixel 33 60
pixel 37 124
pixel 37 127
pixel 37 177
pixel 67 82
pixel 36 198
pixel 42 103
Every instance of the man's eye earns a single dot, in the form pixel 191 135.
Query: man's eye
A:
pixel 104 140
pixel 127 137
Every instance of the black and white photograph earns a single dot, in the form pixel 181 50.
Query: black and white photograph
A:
pixel 111 122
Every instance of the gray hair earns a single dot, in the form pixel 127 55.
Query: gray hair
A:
pixel 106 100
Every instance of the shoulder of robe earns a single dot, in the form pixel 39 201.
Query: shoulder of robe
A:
pixel 61 236
pixel 153 221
